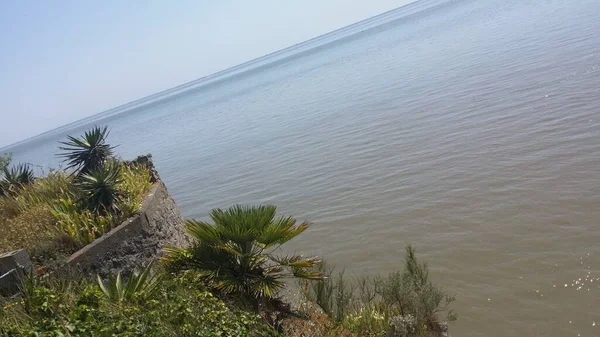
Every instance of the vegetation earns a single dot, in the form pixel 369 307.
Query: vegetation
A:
pixel 88 152
pixel 14 178
pixel 178 306
pixel 403 303
pixel 235 255
pixel 5 160
pixel 227 283
pixel 55 215
pixel 99 189
pixel 138 287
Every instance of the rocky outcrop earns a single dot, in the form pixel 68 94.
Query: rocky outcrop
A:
pixel 138 240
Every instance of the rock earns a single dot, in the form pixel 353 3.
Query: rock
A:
pixel 19 259
pixel 13 266
pixel 146 160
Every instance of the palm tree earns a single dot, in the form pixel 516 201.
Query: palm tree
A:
pixel 15 177
pixel 88 152
pixel 99 189
pixel 235 255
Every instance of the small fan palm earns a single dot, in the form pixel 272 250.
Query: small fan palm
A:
pixel 99 189
pixel 88 152
pixel 15 177
pixel 235 255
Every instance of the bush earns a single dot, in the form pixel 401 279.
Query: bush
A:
pixel 403 303
pixel 5 160
pixel 78 308
pixel 15 178
pixel 235 255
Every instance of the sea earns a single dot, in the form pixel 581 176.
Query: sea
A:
pixel 467 128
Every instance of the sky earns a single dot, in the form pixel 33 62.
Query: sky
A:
pixel 64 60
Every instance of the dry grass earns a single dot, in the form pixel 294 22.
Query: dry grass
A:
pixel 33 217
pixel 27 228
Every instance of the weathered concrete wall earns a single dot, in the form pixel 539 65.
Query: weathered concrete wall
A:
pixel 138 240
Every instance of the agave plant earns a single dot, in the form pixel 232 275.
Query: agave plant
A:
pixel 88 152
pixel 138 287
pixel 15 177
pixel 99 189
pixel 235 254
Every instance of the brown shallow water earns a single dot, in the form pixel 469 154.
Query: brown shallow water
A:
pixel 468 128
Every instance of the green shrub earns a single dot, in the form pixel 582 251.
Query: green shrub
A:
pixel 135 182
pixel 179 308
pixel 82 226
pixel 138 287
pixel 98 189
pixel 14 178
pixel 235 255
pixel 403 303
pixel 5 160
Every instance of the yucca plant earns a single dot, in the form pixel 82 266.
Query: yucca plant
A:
pixel 99 189
pixel 138 287
pixel 88 152
pixel 234 256
pixel 15 177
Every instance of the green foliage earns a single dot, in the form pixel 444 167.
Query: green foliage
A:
pixel 88 152
pixel 5 160
pixel 179 307
pixel 99 189
pixel 138 287
pixel 15 178
pixel 134 183
pixel 403 303
pixel 235 255
pixel 82 225
pixel 45 217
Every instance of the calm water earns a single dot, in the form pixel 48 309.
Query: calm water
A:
pixel 468 128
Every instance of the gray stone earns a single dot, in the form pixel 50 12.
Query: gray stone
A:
pixel 19 259
pixel 10 282
pixel 138 240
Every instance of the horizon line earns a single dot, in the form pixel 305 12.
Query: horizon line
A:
pixel 207 77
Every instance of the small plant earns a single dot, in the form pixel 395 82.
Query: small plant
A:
pixel 138 287
pixel 15 178
pixel 5 160
pixel 235 255
pixel 99 189
pixel 82 225
pixel 403 303
pixel 88 152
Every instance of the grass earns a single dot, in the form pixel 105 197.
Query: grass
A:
pixel 44 217
pixel 78 307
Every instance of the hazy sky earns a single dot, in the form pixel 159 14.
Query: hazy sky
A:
pixel 65 60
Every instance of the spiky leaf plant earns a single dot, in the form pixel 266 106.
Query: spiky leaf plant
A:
pixel 235 255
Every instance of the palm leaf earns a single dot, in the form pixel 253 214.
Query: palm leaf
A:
pixel 88 152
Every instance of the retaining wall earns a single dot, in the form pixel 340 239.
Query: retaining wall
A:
pixel 138 240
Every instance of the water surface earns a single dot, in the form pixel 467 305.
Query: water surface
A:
pixel 470 129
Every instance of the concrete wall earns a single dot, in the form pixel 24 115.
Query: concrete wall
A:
pixel 138 240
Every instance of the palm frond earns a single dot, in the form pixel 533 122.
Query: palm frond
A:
pixel 230 255
pixel 88 152
pixel 99 189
